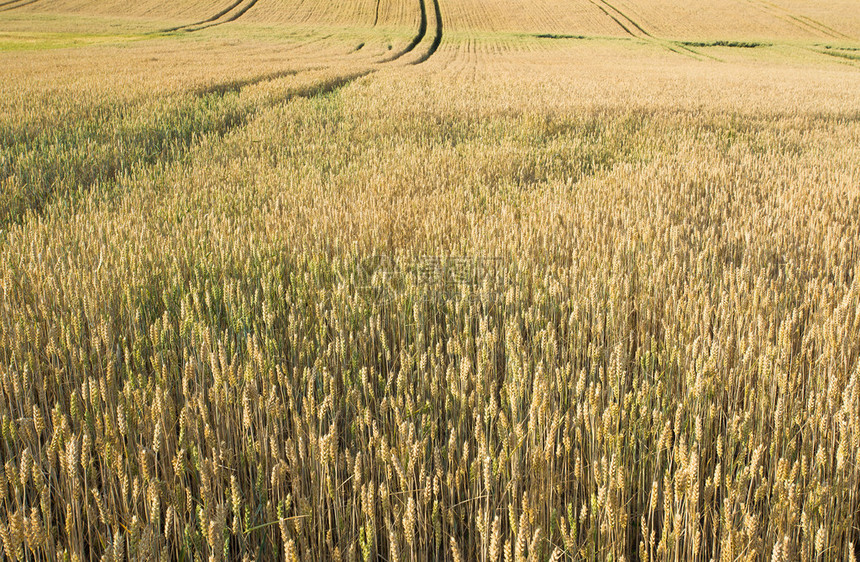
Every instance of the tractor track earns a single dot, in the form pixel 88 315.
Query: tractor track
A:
pixel 318 87
pixel 185 145
pixel 827 28
pixel 801 22
pixel 437 36
pixel 235 11
pixel 620 18
pixel 421 34
pixel 241 12
pixel 621 25
pixel 233 17
pixel 18 4
pixel 626 17
pixel 220 14
pixel 237 85
pixel 836 57
pixel 422 31
pixel 240 7
pixel 636 31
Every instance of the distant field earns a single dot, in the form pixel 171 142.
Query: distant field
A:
pixel 475 280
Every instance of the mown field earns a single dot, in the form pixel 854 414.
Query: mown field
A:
pixel 429 280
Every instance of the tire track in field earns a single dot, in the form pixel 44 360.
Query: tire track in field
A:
pixel 626 23
pixel 234 11
pixel 241 12
pixel 20 5
pixel 779 14
pixel 220 14
pixel 827 28
pixel 633 29
pixel 437 36
pixel 376 17
pixel 602 9
pixel 837 57
pixel 182 142
pixel 422 31
pixel 223 88
pixel 811 23
pixel 238 8
pixel 801 22
pixel 233 16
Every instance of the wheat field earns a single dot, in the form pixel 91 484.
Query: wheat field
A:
pixel 460 280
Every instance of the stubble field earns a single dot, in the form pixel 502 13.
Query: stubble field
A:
pixel 436 280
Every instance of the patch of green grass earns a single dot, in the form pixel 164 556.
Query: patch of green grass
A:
pixel 841 53
pixel 558 36
pixel 77 24
pixel 41 41
pixel 723 43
